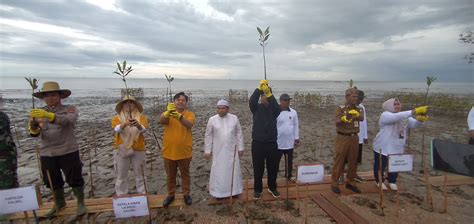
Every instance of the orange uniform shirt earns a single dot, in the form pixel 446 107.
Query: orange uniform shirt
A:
pixel 177 139
pixel 139 145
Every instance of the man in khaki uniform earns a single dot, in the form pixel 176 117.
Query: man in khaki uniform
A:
pixel 348 117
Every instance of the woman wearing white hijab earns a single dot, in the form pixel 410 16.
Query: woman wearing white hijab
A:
pixel 391 137
pixel 129 125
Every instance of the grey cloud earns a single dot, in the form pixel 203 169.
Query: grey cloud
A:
pixel 177 33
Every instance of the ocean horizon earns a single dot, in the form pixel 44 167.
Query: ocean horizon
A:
pixel 17 87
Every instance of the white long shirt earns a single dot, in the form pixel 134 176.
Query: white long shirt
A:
pixel 470 119
pixel 363 127
pixel 288 129
pixel 223 137
pixel 388 138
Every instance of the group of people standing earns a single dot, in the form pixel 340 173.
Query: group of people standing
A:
pixel 275 132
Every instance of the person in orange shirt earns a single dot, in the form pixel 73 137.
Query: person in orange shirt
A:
pixel 129 125
pixel 177 145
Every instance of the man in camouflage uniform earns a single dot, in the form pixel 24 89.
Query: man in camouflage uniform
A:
pixel 8 161
pixel 348 117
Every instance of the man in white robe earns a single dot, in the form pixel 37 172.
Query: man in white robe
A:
pixel 224 143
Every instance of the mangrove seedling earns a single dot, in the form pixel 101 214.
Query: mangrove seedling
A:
pixel 263 36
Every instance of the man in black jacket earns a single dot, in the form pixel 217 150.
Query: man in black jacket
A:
pixel 264 138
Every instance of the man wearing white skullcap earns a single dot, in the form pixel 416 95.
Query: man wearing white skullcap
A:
pixel 223 141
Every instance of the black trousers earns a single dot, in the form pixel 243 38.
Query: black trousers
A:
pixel 289 154
pixel 359 157
pixel 71 166
pixel 265 153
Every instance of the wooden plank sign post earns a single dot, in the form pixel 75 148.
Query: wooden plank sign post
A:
pixel 400 163
pixel 126 207
pixel 309 174
pixel 18 200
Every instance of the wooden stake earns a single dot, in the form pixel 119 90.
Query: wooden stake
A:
pixel 297 193
pixel 26 217
pixel 50 184
pixel 246 191
pixel 232 180
pixel 146 192
pixel 425 173
pixel 91 192
pixel 38 159
pixel 286 177
pixel 398 197
pixel 306 205
pixel 381 180
pixel 445 210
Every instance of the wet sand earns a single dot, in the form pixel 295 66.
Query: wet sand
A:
pixel 95 136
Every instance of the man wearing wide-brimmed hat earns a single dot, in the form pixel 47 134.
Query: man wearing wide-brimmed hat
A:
pixel 129 125
pixel 59 150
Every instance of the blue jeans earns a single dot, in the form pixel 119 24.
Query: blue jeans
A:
pixel 392 177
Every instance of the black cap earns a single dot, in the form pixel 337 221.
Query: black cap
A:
pixel 285 96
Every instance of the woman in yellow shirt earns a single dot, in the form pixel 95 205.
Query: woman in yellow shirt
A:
pixel 129 146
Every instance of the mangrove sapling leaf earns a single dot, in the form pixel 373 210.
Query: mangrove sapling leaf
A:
pixel 34 85
pixel 263 36
pixel 123 71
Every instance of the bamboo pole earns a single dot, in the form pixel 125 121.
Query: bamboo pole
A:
pixel 51 185
pixel 306 204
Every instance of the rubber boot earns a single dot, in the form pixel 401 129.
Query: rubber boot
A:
pixel 59 203
pixel 79 193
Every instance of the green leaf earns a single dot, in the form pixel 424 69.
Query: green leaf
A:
pixel 267 30
pixel 266 38
pixel 117 73
pixel 259 30
pixel 119 68
pixel 124 65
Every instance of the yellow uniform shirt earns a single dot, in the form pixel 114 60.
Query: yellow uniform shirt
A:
pixel 139 145
pixel 178 139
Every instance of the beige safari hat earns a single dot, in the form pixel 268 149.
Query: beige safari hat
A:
pixel 52 87
pixel 119 105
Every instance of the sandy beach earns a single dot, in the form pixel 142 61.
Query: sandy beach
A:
pixel 317 132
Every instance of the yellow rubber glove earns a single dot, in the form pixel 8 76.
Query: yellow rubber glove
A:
pixel 354 113
pixel 40 113
pixel 422 118
pixel 266 90
pixel 421 110
pixel 345 120
pixel 171 107
pixel 176 115
pixel 262 82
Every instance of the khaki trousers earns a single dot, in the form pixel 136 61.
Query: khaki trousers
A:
pixel 122 165
pixel 347 148
pixel 171 167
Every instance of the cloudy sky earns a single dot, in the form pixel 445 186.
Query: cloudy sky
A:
pixel 317 40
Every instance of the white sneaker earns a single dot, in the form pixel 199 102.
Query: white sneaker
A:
pixel 393 186
pixel 383 186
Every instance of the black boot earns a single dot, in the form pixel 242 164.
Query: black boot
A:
pixel 59 203
pixel 81 206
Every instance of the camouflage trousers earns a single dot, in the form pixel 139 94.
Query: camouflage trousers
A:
pixel 8 175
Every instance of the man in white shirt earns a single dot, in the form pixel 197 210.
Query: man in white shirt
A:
pixel 288 132
pixel 470 124
pixel 363 138
pixel 223 141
